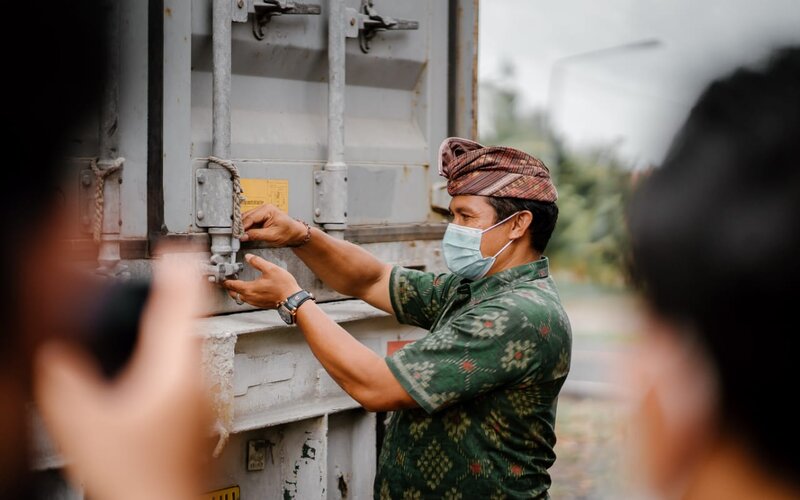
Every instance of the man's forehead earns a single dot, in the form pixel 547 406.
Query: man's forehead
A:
pixel 469 202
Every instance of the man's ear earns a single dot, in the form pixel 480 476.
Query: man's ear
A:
pixel 520 224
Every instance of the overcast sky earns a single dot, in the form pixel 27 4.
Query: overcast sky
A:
pixel 635 96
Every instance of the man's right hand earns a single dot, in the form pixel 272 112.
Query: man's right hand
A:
pixel 343 266
pixel 269 224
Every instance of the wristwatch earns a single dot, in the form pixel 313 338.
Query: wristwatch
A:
pixel 288 308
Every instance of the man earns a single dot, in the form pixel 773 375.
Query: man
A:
pixel 714 250
pixel 474 401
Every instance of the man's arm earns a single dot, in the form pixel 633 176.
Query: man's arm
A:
pixel 343 266
pixel 347 268
pixel 364 375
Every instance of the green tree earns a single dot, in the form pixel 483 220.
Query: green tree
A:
pixel 593 185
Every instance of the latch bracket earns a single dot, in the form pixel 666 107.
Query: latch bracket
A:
pixel 366 23
pixel 265 10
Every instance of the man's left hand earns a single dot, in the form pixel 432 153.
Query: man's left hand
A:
pixel 275 285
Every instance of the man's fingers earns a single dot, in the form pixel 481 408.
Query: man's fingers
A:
pixel 259 234
pixel 254 211
pixel 258 215
pixel 257 262
pixel 236 286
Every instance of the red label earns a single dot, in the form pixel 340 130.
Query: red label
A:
pixel 394 345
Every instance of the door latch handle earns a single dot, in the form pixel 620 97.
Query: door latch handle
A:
pixel 265 10
pixel 367 23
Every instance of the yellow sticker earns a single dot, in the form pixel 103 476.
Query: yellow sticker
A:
pixel 232 493
pixel 260 191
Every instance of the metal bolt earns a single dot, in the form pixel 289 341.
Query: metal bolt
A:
pixel 212 279
pixel 86 180
pixel 352 21
pixel 200 215
pixel 317 212
pixel 317 179
pixel 201 179
pixel 240 4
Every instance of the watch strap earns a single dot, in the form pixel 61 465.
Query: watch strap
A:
pixel 296 300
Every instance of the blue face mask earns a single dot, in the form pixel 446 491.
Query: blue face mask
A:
pixel 462 250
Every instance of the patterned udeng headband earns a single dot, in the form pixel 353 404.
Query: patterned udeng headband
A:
pixel 471 168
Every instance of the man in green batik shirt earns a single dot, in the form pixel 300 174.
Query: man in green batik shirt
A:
pixel 474 401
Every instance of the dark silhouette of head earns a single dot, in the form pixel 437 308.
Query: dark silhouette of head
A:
pixel 715 240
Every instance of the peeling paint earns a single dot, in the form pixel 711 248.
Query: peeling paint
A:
pixel 308 452
pixel 218 364
pixel 342 486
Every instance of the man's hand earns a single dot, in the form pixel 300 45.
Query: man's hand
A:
pixel 269 224
pixel 275 285
pixel 140 435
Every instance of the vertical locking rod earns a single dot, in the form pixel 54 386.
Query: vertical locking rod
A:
pixel 109 251
pixel 221 60
pixel 223 245
pixel 331 196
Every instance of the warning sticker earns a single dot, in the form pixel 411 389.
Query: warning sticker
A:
pixel 395 345
pixel 260 191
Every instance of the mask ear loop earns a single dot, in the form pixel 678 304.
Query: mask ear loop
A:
pixel 501 250
pixel 509 241
pixel 499 223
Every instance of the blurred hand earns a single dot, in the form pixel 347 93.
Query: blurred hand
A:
pixel 142 434
pixel 275 285
pixel 269 224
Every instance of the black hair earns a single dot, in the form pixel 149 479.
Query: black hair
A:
pixel 715 241
pixel 49 92
pixel 545 216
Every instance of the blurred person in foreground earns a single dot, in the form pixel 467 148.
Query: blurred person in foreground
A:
pixel 715 235
pixel 132 437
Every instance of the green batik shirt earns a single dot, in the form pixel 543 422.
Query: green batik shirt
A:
pixel 486 378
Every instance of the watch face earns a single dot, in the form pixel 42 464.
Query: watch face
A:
pixel 285 315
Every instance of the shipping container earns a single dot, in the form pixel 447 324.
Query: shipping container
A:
pixel 333 111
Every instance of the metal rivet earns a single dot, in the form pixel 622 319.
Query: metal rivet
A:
pixel 86 180
pixel 240 3
pixel 317 212
pixel 212 279
pixel 352 21
pixel 200 215
pixel 201 179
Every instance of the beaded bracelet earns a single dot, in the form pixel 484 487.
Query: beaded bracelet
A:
pixel 308 235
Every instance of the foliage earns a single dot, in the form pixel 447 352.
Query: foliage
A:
pixel 593 184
